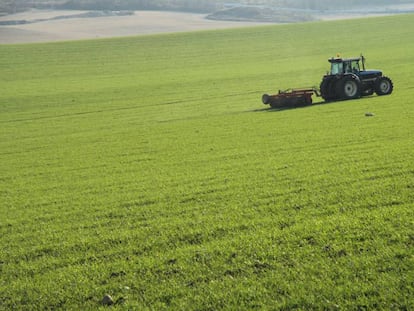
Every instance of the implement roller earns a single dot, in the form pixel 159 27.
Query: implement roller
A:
pixel 291 97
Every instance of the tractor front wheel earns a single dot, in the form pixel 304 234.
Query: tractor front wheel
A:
pixel 383 86
pixel 349 88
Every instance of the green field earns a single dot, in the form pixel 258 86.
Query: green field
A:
pixel 147 168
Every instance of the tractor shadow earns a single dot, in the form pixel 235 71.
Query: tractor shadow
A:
pixel 320 103
pixel 279 109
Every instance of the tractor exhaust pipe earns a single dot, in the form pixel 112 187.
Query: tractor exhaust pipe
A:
pixel 363 61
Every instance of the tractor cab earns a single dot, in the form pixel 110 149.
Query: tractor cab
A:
pixel 341 66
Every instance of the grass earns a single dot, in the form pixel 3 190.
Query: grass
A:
pixel 147 168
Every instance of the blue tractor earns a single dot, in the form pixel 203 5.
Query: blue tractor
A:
pixel 347 80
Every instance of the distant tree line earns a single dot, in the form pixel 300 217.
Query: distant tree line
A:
pixel 327 4
pixel 174 5
pixel 201 6
pixel 212 5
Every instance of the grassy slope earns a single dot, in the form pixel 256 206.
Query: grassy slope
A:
pixel 147 168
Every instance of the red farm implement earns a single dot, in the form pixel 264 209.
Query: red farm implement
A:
pixel 291 97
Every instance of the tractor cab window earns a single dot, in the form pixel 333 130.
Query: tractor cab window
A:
pixel 348 67
pixel 355 66
pixel 337 68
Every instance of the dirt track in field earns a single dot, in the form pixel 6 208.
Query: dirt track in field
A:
pixel 141 23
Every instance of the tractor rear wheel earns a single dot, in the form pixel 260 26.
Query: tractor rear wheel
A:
pixel 327 89
pixel 383 86
pixel 349 88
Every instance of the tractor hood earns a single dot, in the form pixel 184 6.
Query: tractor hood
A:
pixel 370 73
